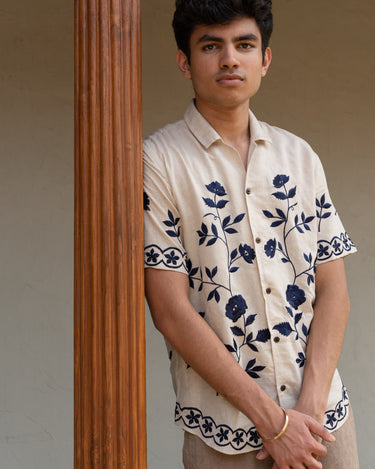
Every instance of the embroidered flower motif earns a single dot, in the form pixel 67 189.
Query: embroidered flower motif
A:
pixel 146 202
pixel 222 435
pixel 193 418
pixel 295 296
pixel 247 252
pixel 235 308
pixel 323 250
pixel 152 256
pixel 301 360
pixel 216 188
pixel 172 258
pixel 331 419
pixel 340 411
pixel 254 436
pixel 280 180
pixel 207 426
pixel 238 438
pixel 270 248
pixel 336 246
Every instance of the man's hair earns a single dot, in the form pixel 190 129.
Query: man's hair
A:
pixel 191 13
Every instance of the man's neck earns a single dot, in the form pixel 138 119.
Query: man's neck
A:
pixel 232 124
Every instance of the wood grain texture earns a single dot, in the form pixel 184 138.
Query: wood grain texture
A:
pixel 110 409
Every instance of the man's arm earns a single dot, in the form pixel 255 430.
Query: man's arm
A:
pixel 331 312
pixel 174 316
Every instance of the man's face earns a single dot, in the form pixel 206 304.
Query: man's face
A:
pixel 226 63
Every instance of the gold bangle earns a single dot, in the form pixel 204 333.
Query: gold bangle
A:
pixel 285 426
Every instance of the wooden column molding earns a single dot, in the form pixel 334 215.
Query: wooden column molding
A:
pixel 110 410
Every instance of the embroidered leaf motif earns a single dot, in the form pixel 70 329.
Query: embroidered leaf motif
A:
pixel 222 203
pixel 172 234
pixel 226 221
pixel 281 213
pixel 239 218
pixel 249 338
pixel 253 370
pixel 267 214
pixel 292 192
pixel 263 335
pixel 233 254
pixel 253 347
pixel 237 331
pixel 280 195
pixel 277 223
pixel 284 328
pixel 297 318
pixel 209 202
pixel 250 319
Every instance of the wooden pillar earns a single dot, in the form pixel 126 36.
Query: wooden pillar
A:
pixel 110 414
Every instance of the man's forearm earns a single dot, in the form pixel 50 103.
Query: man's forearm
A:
pixel 198 344
pixel 331 312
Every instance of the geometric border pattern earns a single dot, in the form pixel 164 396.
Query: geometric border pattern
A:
pixel 239 438
pixel 335 247
pixel 172 257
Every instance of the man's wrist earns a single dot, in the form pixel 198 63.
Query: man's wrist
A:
pixel 273 424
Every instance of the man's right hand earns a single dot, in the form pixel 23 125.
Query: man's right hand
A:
pixel 298 447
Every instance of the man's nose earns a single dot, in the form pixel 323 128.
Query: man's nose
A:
pixel 229 59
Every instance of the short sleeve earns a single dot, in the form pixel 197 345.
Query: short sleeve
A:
pixel 333 241
pixel 162 229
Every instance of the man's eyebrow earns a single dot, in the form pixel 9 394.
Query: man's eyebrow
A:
pixel 243 37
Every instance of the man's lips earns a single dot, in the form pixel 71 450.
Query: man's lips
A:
pixel 230 78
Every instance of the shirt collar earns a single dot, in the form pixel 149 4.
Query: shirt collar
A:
pixel 207 135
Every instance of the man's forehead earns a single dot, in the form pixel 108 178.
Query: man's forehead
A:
pixel 238 29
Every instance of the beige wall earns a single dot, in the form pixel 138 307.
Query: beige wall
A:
pixel 36 230
pixel 320 86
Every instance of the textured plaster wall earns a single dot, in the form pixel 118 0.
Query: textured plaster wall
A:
pixel 320 86
pixel 36 230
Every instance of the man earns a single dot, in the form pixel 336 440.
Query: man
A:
pixel 244 269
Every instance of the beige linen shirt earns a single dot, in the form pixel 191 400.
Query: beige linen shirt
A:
pixel 249 240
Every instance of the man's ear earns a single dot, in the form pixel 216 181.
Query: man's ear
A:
pixel 266 61
pixel 183 64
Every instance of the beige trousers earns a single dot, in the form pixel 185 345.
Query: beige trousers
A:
pixel 342 454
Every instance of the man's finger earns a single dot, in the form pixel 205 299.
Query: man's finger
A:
pixel 321 431
pixel 262 454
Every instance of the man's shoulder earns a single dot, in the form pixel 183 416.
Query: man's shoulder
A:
pixel 165 136
pixel 279 135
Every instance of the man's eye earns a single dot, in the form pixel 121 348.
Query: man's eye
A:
pixel 209 47
pixel 246 45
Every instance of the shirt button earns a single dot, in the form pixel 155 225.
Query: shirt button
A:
pixel 258 240
pixel 248 191
pixel 282 388
pixel 268 291
pixel 276 339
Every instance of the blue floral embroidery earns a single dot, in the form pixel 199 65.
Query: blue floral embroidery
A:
pixel 294 294
pixel 239 438
pixel 146 202
pixel 334 416
pixel 236 308
pixel 170 257
pixel 322 205
pixel 335 247
pixel 222 435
